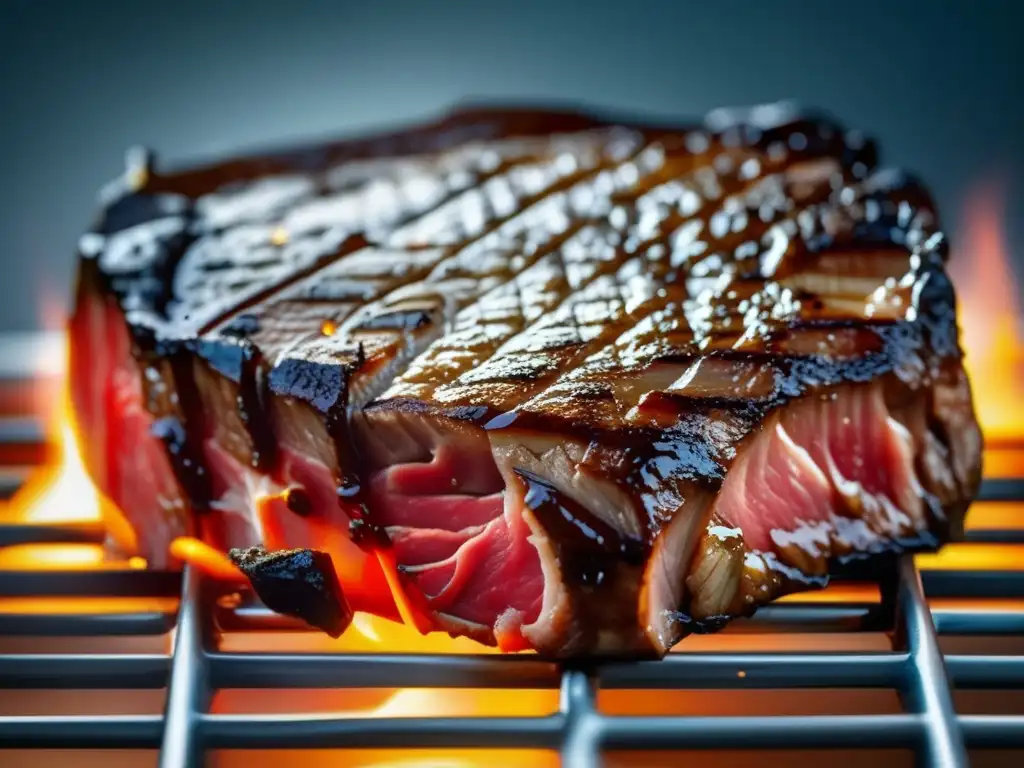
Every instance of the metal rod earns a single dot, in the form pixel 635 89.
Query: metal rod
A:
pixel 809 617
pixel 313 731
pixel 928 690
pixel 326 670
pixel 85 624
pixel 975 583
pixel 995 535
pixel 1001 489
pixel 11 480
pixel 994 731
pixel 80 732
pixel 759 670
pixel 187 692
pixel 97 671
pixel 823 731
pixel 977 621
pixel 581 737
pixel 90 583
pixel 993 672
pixel 689 670
pixel 27 533
pixel 22 430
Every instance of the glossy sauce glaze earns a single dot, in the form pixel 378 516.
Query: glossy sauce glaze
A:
pixel 649 294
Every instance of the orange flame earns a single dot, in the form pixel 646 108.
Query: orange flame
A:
pixel 990 317
pixel 60 490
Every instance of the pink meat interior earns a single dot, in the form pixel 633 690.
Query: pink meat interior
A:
pixel 814 463
pixel 470 557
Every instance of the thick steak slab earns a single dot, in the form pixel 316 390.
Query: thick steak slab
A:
pixel 539 378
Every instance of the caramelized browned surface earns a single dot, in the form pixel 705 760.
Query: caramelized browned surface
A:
pixel 620 308
pixel 356 256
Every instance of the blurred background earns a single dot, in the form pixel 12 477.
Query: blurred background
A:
pixel 938 82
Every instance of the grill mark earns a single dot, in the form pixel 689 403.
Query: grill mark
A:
pixel 457 250
pixel 560 187
pixel 603 268
pixel 385 381
pixel 791 383
pixel 354 243
pixel 733 185
pixel 351 244
pixel 862 154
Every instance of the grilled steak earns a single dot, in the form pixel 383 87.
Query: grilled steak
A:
pixel 542 379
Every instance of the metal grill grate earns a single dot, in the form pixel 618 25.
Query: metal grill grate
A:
pixel 916 668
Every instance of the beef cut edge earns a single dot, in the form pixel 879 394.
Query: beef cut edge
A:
pixel 546 379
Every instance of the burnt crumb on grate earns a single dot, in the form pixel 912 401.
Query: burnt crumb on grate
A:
pixel 297 582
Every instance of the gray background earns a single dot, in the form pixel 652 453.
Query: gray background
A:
pixel 939 83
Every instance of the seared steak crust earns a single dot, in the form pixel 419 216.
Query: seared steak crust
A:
pixel 536 370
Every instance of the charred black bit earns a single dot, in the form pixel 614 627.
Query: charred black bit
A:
pixel 297 500
pixel 319 384
pixel 297 582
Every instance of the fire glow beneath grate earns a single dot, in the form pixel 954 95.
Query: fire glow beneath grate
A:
pixel 86 643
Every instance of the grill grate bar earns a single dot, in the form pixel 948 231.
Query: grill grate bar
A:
pixel 928 691
pixel 188 693
pixel 635 733
pixel 786 617
pixel 379 671
pixel 822 731
pixel 976 583
pixel 1001 489
pixel 836 617
pixel 70 671
pixel 995 672
pixel 81 732
pixel 63 533
pixel 757 670
pixel 143 583
pixel 90 583
pixel 693 670
pixel 978 622
pixel 311 732
pixel 995 536
pixel 994 731
pixel 85 624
